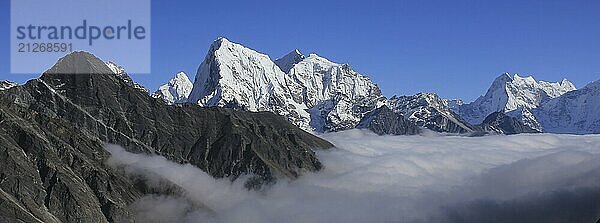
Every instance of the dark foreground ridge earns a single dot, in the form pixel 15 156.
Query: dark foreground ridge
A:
pixel 53 131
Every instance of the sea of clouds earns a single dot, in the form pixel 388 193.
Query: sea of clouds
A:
pixel 371 178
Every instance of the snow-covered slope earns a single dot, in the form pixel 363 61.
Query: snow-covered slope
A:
pixel 316 94
pixel 508 94
pixel 288 61
pixel 575 112
pixel 5 85
pixel 429 111
pixel 177 90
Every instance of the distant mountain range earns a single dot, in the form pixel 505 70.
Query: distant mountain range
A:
pixel 322 96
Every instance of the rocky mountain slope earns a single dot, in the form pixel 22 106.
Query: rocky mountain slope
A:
pixel 429 111
pixel 52 160
pixel 513 93
pixel 338 97
pixel 177 90
pixel 121 73
pixel 4 85
pixel 384 121
pixel 500 123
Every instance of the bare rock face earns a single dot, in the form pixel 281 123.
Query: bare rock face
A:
pixel 383 121
pixel 4 85
pixel 429 111
pixel 499 122
pixel 53 130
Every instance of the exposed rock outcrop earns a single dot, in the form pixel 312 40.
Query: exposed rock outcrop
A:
pixel 383 121
pixel 500 123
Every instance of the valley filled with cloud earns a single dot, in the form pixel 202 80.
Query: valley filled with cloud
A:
pixel 369 178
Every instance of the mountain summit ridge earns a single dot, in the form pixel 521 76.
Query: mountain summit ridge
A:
pixel 509 93
pixel 316 94
pixel 319 95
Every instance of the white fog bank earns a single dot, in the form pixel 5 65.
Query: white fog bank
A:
pixel 370 178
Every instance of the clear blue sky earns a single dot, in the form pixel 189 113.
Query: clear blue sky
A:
pixel 454 48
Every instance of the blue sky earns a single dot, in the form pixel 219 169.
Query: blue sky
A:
pixel 455 48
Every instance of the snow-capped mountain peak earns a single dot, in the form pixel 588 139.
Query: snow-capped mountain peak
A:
pixel 177 90
pixel 288 61
pixel 511 93
pixel 315 94
pixel 235 76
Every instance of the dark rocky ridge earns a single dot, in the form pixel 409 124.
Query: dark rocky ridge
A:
pixel 499 122
pixel 383 121
pixel 53 130
pixel 429 111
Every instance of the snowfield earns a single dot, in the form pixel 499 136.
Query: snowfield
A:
pixel 370 178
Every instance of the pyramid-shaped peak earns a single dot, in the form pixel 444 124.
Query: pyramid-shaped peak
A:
pixel 80 62
pixel 567 84
pixel 506 77
pixel 181 78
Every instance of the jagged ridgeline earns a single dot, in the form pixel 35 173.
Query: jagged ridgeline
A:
pixel 313 93
pixel 54 129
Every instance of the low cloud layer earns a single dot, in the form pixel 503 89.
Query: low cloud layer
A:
pixel 370 178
